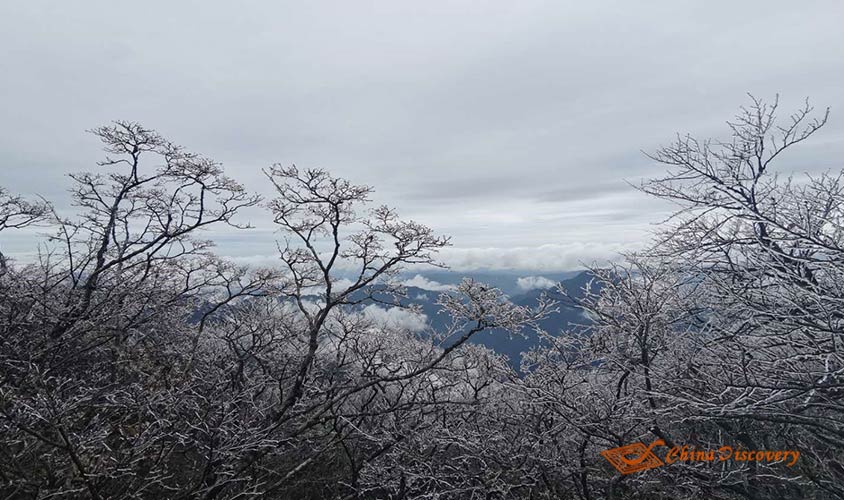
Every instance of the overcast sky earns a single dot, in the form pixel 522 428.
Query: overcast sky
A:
pixel 510 125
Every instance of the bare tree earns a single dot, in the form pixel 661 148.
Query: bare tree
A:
pixel 337 372
pixel 15 213
pixel 724 332
pixel 97 334
pixel 766 255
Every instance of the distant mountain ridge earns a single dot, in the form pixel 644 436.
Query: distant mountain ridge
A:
pixel 501 342
pixel 510 345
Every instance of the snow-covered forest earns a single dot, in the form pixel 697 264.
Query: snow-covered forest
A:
pixel 135 363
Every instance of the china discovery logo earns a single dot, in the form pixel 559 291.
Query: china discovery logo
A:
pixel 637 457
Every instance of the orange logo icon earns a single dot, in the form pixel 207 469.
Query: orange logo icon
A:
pixel 634 457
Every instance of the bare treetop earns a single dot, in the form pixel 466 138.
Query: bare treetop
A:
pixel 16 212
pixel 730 172
pixel 327 228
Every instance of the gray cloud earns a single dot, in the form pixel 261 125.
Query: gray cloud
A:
pixel 535 283
pixel 550 257
pixel 424 283
pixel 509 125
pixel 395 318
